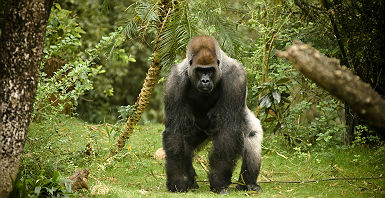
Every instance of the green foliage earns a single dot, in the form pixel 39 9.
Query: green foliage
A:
pixel 286 103
pixel 125 112
pixel 214 18
pixel 41 185
pixel 269 77
pixel 320 130
pixel 125 63
pixel 274 94
pixel 365 136
pixel 65 82
pixel 62 83
pixel 63 35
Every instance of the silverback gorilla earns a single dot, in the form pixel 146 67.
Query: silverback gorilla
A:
pixel 205 98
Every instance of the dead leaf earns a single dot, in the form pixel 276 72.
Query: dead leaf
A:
pixel 334 184
pixel 338 168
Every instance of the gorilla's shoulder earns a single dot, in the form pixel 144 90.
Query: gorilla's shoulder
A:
pixel 233 71
pixel 180 68
pixel 231 66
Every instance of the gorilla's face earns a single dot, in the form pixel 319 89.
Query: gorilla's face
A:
pixel 204 71
pixel 205 78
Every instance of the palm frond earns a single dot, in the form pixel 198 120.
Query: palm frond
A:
pixel 213 13
pixel 144 17
pixel 175 36
pixel 187 19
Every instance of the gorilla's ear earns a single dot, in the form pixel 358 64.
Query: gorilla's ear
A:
pixel 218 62
pixel 190 62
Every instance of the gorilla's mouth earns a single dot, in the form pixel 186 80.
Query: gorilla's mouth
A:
pixel 205 89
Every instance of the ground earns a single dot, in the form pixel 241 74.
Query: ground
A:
pixel 70 144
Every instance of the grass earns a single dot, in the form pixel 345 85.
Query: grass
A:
pixel 134 172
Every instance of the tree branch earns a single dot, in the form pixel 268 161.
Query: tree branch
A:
pixel 339 81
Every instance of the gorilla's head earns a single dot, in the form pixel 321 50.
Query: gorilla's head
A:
pixel 203 54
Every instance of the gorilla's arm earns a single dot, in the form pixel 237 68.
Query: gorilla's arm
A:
pixel 176 109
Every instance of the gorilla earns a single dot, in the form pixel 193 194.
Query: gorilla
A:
pixel 205 99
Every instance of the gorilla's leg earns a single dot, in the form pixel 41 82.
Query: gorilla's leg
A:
pixel 192 141
pixel 223 157
pixel 251 163
pixel 179 153
pixel 175 169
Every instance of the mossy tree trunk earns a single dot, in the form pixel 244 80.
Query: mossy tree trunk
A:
pixel 21 48
pixel 150 81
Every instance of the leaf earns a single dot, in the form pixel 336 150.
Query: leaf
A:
pixel 265 102
pixel 80 30
pixel 286 100
pixel 132 59
pixel 270 119
pixel 282 81
pixel 64 180
pixel 57 6
pixel 56 176
pixel 51 190
pixel 37 190
pixel 277 96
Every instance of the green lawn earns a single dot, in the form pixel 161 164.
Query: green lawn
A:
pixel 135 173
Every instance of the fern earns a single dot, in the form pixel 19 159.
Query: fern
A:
pixel 214 14
pixel 175 36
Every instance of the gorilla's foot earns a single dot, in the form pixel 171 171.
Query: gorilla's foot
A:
pixel 222 191
pixel 177 186
pixel 249 187
pixel 193 185
pixel 181 186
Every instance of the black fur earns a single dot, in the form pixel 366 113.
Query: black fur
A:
pixel 193 116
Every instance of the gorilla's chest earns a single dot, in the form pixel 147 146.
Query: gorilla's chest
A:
pixel 201 104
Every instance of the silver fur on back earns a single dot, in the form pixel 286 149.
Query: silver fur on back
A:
pixel 253 140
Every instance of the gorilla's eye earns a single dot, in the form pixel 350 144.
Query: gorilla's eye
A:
pixel 190 62
pixel 218 62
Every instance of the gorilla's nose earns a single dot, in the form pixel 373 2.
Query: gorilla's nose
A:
pixel 205 81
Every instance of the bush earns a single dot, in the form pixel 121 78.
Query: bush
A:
pixel 27 185
pixel 66 73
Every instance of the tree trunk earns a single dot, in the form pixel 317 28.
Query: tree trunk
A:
pixel 351 119
pixel 150 81
pixel 21 50
pixel 339 81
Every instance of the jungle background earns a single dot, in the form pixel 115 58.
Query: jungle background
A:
pixel 95 59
